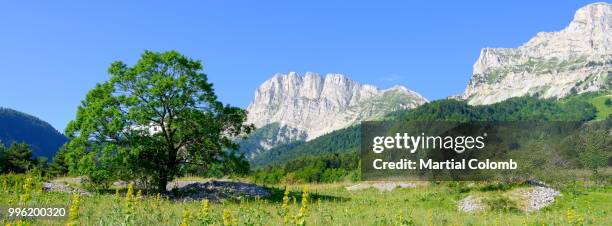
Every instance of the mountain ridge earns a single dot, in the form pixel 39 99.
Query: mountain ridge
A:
pixel 285 97
pixel 306 107
pixel 16 126
pixel 574 60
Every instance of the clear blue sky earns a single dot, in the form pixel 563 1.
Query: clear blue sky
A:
pixel 53 52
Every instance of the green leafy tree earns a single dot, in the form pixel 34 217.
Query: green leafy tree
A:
pixel 593 145
pixel 151 121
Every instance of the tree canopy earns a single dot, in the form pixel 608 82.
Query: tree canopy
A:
pixel 151 121
pixel 17 158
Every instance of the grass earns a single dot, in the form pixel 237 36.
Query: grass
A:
pixel 597 99
pixel 330 204
pixel 602 110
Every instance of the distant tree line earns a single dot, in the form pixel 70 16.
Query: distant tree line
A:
pixel 312 169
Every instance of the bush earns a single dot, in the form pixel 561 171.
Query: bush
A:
pixel 501 203
pixel 497 186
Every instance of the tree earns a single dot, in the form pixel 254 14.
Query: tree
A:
pixel 17 158
pixel 150 121
pixel 608 102
pixel 58 167
pixel 593 146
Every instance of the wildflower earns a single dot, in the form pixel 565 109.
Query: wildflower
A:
pixel 17 223
pixel 285 207
pixel 74 210
pixel 305 197
pixel 205 208
pixel 185 220
pixel 300 219
pixel 27 188
pixel 129 199
pixel 227 218
pixel 27 185
pixel 570 215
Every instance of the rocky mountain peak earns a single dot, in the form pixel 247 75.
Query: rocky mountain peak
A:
pixel 596 15
pixel 551 64
pixel 318 104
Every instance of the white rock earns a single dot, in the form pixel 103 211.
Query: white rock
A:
pixel 551 64
pixel 540 197
pixel 380 186
pixel 311 105
pixel 470 204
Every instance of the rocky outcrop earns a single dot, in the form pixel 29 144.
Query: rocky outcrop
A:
pixel 540 197
pixel 471 204
pixel 305 107
pixel 216 191
pixel 380 186
pixel 318 105
pixel 576 59
pixel 66 185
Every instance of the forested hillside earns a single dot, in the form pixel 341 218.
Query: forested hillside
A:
pixel 312 159
pixel 19 127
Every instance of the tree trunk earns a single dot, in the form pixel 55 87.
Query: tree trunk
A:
pixel 166 172
pixel 162 181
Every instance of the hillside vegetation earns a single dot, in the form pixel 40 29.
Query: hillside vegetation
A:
pixel 602 101
pixel 19 127
pixel 515 109
pixel 316 160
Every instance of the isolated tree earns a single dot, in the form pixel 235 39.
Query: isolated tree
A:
pixel 150 121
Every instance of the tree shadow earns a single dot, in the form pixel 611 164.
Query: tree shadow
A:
pixel 232 191
pixel 214 192
pixel 277 195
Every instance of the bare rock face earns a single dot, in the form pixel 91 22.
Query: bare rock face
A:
pixel 305 107
pixel 576 59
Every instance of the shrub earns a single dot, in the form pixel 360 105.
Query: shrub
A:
pixel 501 203
pixel 497 186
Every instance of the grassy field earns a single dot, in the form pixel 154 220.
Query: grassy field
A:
pixel 602 110
pixel 328 204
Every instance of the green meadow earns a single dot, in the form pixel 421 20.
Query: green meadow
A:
pixel 603 110
pixel 429 203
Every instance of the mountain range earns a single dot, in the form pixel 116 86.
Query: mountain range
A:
pixel 290 109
